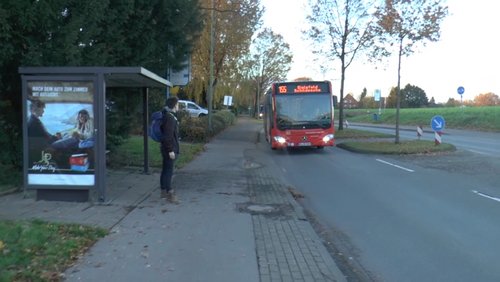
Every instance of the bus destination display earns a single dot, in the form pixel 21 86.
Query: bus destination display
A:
pixel 303 87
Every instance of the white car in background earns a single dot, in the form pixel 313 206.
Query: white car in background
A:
pixel 192 108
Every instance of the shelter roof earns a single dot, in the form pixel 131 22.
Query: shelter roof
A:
pixel 113 76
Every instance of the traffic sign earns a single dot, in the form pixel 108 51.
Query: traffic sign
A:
pixel 460 90
pixel 376 95
pixel 438 123
pixel 228 100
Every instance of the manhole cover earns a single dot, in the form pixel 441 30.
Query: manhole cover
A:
pixel 249 165
pixel 268 210
pixel 258 208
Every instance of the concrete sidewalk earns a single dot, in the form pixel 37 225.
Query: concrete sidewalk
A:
pixel 237 222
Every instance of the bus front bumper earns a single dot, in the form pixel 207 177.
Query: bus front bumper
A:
pixel 280 142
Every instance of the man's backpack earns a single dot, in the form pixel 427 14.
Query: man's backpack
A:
pixel 155 131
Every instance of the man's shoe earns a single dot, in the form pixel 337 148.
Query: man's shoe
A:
pixel 163 194
pixel 172 198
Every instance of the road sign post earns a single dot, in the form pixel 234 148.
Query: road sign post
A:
pixel 460 91
pixel 437 137
pixel 438 123
pixel 377 98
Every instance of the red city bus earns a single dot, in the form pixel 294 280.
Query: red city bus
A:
pixel 299 114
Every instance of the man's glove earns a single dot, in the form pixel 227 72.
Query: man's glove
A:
pixel 171 155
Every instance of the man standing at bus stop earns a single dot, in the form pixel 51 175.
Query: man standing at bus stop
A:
pixel 169 149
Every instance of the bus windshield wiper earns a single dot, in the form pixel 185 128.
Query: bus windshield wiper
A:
pixel 283 123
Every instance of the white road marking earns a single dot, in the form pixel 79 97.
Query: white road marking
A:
pixel 477 152
pixel 400 167
pixel 486 196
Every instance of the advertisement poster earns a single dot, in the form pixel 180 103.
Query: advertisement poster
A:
pixel 60 126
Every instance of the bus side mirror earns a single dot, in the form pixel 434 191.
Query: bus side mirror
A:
pixel 335 101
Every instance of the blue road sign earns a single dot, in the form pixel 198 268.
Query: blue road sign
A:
pixel 460 90
pixel 376 95
pixel 438 123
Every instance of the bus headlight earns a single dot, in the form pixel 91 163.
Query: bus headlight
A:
pixel 328 138
pixel 279 139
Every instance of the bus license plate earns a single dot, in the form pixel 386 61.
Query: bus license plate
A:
pixel 305 144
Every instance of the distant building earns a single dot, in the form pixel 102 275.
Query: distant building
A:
pixel 350 102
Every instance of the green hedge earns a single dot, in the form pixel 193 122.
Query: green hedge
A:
pixel 194 129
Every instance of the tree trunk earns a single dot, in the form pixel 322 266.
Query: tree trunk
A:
pixel 398 92
pixel 341 101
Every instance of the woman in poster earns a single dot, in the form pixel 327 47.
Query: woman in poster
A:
pixel 80 137
pixel 84 126
pixel 76 145
pixel 84 130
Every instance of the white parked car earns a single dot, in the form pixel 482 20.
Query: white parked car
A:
pixel 192 108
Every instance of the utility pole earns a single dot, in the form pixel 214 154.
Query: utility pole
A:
pixel 211 80
pixel 259 83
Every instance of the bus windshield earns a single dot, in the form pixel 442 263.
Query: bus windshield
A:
pixel 303 111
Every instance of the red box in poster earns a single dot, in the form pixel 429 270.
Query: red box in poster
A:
pixel 79 162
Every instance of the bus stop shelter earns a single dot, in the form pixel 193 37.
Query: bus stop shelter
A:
pixel 64 127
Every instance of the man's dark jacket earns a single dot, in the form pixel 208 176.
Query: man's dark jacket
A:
pixel 170 129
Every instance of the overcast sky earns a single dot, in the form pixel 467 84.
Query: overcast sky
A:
pixel 467 54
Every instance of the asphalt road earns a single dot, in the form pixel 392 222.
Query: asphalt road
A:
pixel 404 218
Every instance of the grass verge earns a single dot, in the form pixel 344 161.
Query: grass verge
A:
pixel 131 154
pixel 348 133
pixel 367 142
pixel 389 147
pixel 473 118
pixel 40 251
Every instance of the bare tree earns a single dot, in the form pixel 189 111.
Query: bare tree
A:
pixel 340 30
pixel 403 24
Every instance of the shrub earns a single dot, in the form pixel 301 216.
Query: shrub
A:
pixel 221 120
pixel 193 134
pixel 192 129
pixel 11 140
pixel 195 129
pixel 182 115
pixel 218 124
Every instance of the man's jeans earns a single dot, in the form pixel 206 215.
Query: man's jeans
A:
pixel 167 172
